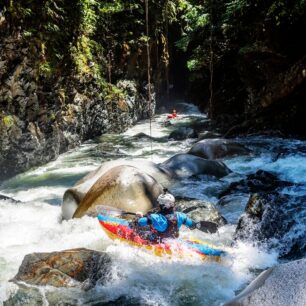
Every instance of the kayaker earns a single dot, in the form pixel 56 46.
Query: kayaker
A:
pixel 173 115
pixel 165 223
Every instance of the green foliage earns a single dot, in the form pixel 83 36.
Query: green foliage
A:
pixel 113 93
pixel 8 121
pixel 283 11
pixel 235 9
pixel 194 18
pixel 92 38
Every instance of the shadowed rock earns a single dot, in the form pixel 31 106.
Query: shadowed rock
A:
pixel 275 220
pixel 183 133
pixel 256 182
pixel 217 148
pixel 184 165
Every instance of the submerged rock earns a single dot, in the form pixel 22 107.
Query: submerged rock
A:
pixel 208 135
pixel 184 165
pixel 148 137
pixel 282 285
pixel 80 268
pixel 276 221
pixel 6 198
pixel 183 133
pixel 26 296
pixel 109 150
pixel 217 148
pixel 234 200
pixel 233 206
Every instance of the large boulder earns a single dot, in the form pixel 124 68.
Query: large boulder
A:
pixel 81 268
pixel 217 148
pixel 74 195
pixel 182 133
pixel 123 187
pixel 282 285
pixel 184 165
pixel 276 221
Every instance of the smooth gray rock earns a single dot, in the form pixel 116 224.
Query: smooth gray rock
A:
pixel 184 165
pixel 183 133
pixel 217 148
pixel 283 285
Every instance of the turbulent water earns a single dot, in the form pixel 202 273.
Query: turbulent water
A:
pixel 139 278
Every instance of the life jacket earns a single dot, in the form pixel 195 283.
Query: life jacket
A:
pixel 172 230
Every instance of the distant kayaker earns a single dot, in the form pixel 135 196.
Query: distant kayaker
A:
pixel 173 115
pixel 165 223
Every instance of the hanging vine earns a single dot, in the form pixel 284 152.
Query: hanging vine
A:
pixel 211 62
pixel 148 66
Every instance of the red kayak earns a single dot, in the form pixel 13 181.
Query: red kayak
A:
pixel 172 116
pixel 119 229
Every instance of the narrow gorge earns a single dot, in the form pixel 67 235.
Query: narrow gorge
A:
pixel 110 102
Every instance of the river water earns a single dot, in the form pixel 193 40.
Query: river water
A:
pixel 138 278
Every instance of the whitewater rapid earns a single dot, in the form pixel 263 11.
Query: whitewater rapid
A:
pixel 35 224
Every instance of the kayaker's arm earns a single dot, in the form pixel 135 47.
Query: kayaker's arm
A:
pixel 143 221
pixel 183 219
pixel 203 226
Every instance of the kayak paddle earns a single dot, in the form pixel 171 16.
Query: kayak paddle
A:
pixel 112 211
pixel 207 227
pixel 203 226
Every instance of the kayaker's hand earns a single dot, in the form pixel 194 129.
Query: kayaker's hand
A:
pixel 195 225
pixel 139 214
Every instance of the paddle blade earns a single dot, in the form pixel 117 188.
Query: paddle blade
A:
pixel 111 211
pixel 207 227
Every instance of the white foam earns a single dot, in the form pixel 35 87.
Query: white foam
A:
pixel 37 227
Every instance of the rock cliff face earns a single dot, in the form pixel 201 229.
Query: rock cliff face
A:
pixel 53 89
pixel 40 118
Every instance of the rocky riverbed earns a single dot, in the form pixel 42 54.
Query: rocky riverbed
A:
pixel 258 201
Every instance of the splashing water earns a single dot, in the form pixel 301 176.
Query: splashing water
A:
pixel 137 278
